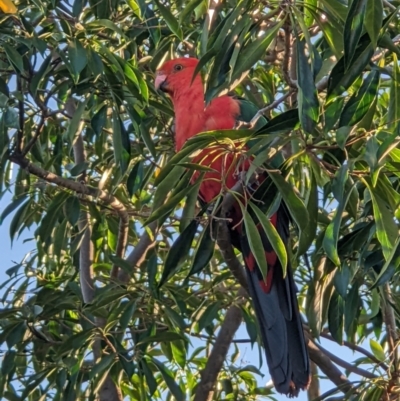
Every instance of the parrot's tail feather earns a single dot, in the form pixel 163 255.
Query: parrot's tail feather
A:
pixel 279 319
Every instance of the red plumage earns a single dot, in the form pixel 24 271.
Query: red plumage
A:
pixel 274 299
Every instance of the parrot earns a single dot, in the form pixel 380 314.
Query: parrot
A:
pixel 274 298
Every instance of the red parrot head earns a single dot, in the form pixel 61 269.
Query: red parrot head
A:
pixel 176 76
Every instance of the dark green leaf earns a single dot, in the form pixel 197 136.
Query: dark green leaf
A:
pixel 171 21
pixel 335 317
pixel 14 57
pixel 178 252
pixel 169 380
pixel 353 29
pixel 373 19
pixel 359 103
pixel 72 209
pixel 307 94
pixel 204 251
pixel 77 57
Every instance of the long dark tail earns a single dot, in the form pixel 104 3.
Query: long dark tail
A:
pixel 278 315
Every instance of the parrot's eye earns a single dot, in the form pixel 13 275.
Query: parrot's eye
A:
pixel 178 67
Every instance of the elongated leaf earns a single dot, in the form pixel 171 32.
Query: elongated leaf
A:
pixel 284 122
pixel 72 209
pixel 14 57
pixel 121 143
pixel 340 79
pixel 179 252
pixel 273 236
pixel 295 205
pixel 99 120
pixel 171 21
pixel 11 207
pixel 254 51
pixel 335 317
pixel 373 19
pixel 169 380
pixel 352 29
pixel 387 230
pixel 307 95
pixel 77 57
pixel 359 103
pixel 204 252
pixel 394 104
pixel 255 242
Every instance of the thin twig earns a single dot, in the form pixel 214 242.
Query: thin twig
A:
pixel 347 365
pixel 359 349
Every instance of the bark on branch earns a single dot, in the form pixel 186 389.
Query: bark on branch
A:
pixel 220 350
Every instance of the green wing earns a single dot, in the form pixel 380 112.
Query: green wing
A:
pixel 247 111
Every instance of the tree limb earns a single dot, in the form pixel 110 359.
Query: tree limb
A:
pixel 326 365
pixel 138 254
pixel 313 390
pixel 233 318
pixel 347 365
pixel 359 349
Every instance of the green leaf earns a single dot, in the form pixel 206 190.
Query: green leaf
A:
pixel 104 364
pixel 204 251
pixel 335 317
pixel 284 122
pixel 187 11
pixel 121 143
pixel 394 102
pixel 273 236
pixel 209 315
pixel 308 235
pixel 171 21
pixel 77 57
pixel 353 29
pixel 72 209
pixel 169 380
pixel 11 207
pixel 162 211
pixel 307 94
pixel 49 221
pixel 8 363
pixel 377 350
pixel 359 103
pixel 74 124
pixel 386 228
pixel 14 57
pixel 179 352
pixel 135 178
pixel 254 51
pixel 179 252
pixel 373 19
pixel 99 120
pixel 134 7
pixel 295 205
pixel 341 79
pixel 255 242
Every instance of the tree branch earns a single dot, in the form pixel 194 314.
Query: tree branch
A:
pixel 313 390
pixel 326 365
pixel 138 254
pixel 359 349
pixel 233 318
pixel 347 365
pixel 86 250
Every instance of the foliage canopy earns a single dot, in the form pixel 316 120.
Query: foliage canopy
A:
pixel 98 307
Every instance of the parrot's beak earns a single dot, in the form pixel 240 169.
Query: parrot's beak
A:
pixel 161 82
